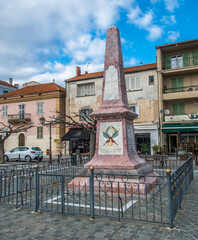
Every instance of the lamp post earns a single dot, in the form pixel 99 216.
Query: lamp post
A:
pixel 48 123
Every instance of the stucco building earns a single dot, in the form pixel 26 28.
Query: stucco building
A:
pixel 83 92
pixel 177 69
pixel 28 105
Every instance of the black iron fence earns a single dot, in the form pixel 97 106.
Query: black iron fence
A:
pixel 50 188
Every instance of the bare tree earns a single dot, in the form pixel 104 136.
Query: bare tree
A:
pixel 5 131
pixel 88 123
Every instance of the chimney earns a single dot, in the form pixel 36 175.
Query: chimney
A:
pixel 10 81
pixel 78 71
pixel 17 86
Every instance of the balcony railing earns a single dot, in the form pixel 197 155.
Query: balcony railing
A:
pixel 18 118
pixel 181 62
pixel 180 89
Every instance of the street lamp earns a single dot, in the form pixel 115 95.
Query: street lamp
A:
pixel 48 123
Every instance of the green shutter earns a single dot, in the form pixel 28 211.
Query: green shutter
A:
pixel 181 109
pixel 167 62
pixel 175 109
pixel 177 84
pixel 180 83
pixel 186 62
pixel 195 57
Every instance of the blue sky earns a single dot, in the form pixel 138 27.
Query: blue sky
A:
pixel 42 40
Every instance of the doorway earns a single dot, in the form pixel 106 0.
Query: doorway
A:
pixel 173 142
pixel 21 140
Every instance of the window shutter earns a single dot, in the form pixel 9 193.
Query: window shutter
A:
pixel 175 109
pixel 80 115
pixel 180 83
pixel 127 84
pixel 137 82
pixel 181 109
pixel 174 84
pixel 186 59
pixel 167 62
pixel 137 110
pixel 195 57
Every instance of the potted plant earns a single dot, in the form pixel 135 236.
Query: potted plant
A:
pixel 145 147
pixel 157 149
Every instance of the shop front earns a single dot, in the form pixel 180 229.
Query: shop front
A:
pixel 78 140
pixel 180 135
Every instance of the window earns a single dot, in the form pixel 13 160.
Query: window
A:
pixel 40 132
pixel 40 108
pixel 135 109
pixel 133 83
pixel 4 111
pixel 177 84
pixel 85 89
pixel 3 132
pixel 151 80
pixel 176 61
pixel 178 109
pixel 85 114
pixel 21 111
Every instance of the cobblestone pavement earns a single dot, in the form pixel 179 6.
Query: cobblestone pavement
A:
pixel 26 224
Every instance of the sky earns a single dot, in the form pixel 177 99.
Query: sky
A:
pixel 42 40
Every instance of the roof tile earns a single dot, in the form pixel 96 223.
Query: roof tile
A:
pixel 41 88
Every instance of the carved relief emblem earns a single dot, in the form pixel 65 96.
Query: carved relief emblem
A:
pixel 110 134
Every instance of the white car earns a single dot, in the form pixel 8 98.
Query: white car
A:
pixel 24 153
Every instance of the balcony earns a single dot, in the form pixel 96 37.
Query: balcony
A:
pixel 19 118
pixel 188 92
pixel 180 66
pixel 181 118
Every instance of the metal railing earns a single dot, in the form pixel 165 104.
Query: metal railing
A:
pixel 178 183
pixel 180 89
pixel 49 187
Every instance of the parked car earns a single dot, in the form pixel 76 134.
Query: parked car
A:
pixel 24 153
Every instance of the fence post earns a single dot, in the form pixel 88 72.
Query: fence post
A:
pixel 62 194
pixel 36 193
pixel 91 191
pixel 17 188
pixel 168 172
pixel 1 186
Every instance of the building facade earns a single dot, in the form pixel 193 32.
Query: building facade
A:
pixel 7 87
pixel 177 69
pixel 28 105
pixel 83 95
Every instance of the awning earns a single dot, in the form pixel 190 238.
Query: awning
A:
pixel 179 127
pixel 76 134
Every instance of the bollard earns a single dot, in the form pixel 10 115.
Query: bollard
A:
pixel 91 191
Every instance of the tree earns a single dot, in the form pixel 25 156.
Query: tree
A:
pixel 88 124
pixel 6 130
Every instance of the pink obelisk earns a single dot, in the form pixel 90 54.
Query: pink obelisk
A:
pixel 115 142
pixel 115 151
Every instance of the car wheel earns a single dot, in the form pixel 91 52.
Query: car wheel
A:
pixel 28 158
pixel 6 158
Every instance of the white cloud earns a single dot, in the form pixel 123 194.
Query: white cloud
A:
pixel 169 20
pixel 145 21
pixel 172 36
pixel 171 5
pixel 132 62
pixel 142 20
pixel 32 32
pixel 155 32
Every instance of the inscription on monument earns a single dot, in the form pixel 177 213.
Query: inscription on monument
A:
pixel 110 138
pixel 131 141
pixel 111 84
